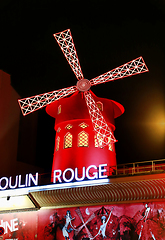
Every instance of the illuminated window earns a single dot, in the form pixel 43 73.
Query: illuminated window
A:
pixel 82 139
pixel 68 140
pixel 69 126
pixel 98 141
pixel 59 109
pixel 59 129
pixel 110 145
pixel 83 125
pixel 100 106
pixel 57 143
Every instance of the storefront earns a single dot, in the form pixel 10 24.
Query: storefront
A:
pixel 131 206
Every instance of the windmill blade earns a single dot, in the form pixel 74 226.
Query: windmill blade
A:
pixel 31 104
pixel 133 67
pixel 104 134
pixel 65 41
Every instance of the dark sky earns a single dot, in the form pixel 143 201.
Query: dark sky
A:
pixel 106 34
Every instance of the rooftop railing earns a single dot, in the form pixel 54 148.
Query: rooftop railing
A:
pixel 120 170
pixel 145 167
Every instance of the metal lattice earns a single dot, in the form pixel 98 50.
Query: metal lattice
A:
pixel 65 41
pixel 103 132
pixel 31 104
pixel 133 67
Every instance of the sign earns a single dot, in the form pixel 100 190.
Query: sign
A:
pixel 92 172
pixel 1 231
pixel 69 175
pixel 18 181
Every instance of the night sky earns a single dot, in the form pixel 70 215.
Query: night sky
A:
pixel 106 34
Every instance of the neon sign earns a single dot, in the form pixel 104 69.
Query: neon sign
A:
pixel 29 180
pixel 97 172
pixel 68 176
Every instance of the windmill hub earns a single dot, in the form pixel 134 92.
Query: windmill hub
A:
pixel 83 85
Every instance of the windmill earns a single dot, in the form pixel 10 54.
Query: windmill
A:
pixel 102 130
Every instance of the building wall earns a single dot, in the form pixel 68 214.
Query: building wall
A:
pixel 122 221
pixel 9 130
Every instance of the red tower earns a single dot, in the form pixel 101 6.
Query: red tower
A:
pixel 84 123
pixel 76 143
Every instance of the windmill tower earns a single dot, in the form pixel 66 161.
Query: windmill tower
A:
pixel 84 123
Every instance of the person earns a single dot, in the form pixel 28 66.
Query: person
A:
pixel 146 213
pixel 65 229
pixel 147 210
pixel 103 226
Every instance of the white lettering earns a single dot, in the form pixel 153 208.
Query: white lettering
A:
pixel 10 182
pixel 26 180
pixel 57 176
pixel 94 174
pixel 31 178
pixel 76 174
pixel 12 226
pixel 9 226
pixel 19 182
pixel 102 170
pixel 15 224
pixel 6 185
pixel 72 175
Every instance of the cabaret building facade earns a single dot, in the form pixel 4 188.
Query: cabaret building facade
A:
pixel 95 200
pixel 87 195
pixel 129 205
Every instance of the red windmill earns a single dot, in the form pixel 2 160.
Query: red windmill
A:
pixel 84 123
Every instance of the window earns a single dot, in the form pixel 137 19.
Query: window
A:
pixel 100 106
pixel 98 141
pixel 59 129
pixel 68 140
pixel 83 125
pixel 57 143
pixel 59 109
pixel 69 126
pixel 110 145
pixel 83 139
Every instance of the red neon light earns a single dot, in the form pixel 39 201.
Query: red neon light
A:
pixel 31 104
pixel 102 130
pixel 131 68
pixel 65 41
